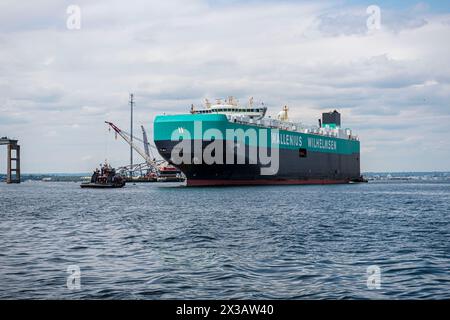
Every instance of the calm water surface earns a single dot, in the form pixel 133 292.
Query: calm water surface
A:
pixel 158 241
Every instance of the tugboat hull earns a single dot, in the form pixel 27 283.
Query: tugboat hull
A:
pixel 102 185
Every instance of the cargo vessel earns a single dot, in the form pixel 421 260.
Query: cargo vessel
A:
pixel 228 144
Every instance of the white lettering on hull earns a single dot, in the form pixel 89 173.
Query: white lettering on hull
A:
pixel 324 144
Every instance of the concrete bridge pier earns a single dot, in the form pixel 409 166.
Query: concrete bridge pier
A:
pixel 13 160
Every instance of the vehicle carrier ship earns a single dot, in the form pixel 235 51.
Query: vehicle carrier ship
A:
pixel 323 154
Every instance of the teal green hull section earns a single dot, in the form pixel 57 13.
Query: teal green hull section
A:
pixel 208 126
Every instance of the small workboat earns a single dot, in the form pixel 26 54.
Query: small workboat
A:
pixel 361 179
pixel 102 185
pixel 104 178
pixel 169 173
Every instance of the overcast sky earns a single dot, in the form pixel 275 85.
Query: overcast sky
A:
pixel 58 85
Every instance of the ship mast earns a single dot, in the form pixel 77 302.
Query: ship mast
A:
pixel 131 137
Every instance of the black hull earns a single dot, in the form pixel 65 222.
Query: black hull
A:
pixel 315 168
pixel 102 185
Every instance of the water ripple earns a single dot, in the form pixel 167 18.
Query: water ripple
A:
pixel 154 241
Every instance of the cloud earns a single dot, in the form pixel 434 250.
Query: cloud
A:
pixel 6 119
pixel 354 21
pixel 314 56
pixel 86 158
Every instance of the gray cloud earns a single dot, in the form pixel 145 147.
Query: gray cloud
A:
pixel 353 22
pixel 58 86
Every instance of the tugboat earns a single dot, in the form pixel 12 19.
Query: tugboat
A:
pixel 104 178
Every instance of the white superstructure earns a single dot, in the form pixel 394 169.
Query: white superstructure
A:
pixel 231 107
pixel 251 115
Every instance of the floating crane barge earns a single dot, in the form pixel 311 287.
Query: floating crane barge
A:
pixel 156 170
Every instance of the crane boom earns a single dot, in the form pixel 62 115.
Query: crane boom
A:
pixel 139 139
pixel 144 136
pixel 125 136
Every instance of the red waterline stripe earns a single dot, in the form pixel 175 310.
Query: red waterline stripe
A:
pixel 197 183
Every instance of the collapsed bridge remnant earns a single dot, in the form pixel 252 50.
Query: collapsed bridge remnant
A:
pixel 13 160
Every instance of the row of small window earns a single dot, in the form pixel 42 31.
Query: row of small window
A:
pixel 229 110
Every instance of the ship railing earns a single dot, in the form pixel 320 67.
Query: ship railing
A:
pixel 292 126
